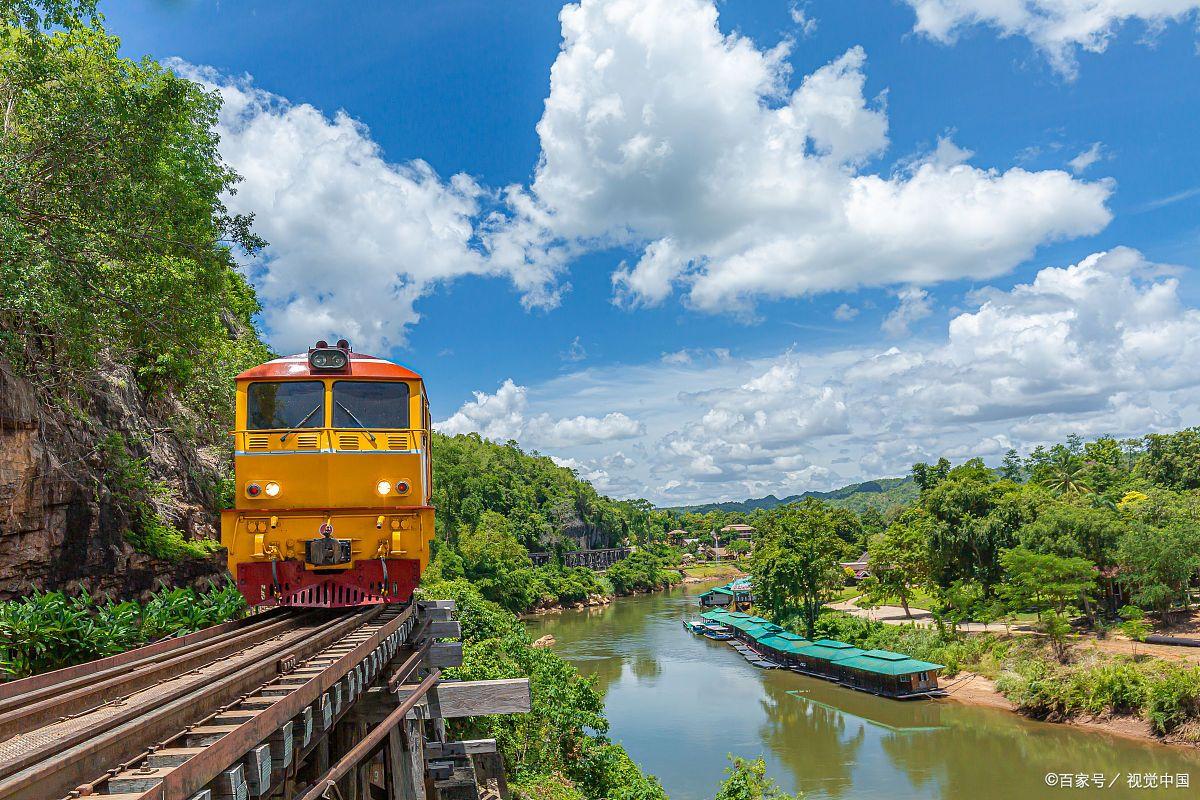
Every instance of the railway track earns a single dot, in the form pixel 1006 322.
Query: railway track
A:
pixel 225 713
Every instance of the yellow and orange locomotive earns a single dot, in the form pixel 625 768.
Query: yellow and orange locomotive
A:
pixel 333 481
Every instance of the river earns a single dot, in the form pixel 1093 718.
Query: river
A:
pixel 679 703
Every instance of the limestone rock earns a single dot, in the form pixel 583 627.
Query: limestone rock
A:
pixel 60 525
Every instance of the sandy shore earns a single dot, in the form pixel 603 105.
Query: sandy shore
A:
pixel 976 690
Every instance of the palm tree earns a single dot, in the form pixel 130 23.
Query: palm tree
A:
pixel 1066 473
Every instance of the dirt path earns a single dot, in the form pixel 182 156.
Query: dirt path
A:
pixel 1115 643
pixel 894 615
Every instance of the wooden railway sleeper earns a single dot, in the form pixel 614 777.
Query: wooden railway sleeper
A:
pixel 343 673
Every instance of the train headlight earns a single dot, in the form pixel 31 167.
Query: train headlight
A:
pixel 328 359
pixel 253 490
pixel 402 487
pixel 271 489
pixel 384 488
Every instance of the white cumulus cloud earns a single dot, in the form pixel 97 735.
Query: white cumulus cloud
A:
pixel 355 239
pixel 504 415
pixel 1102 346
pixel 1058 27
pixel 1086 158
pixel 914 305
pixel 734 182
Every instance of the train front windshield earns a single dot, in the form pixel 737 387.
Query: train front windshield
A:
pixel 284 405
pixel 370 404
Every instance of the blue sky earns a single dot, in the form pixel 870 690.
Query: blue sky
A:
pixel 657 304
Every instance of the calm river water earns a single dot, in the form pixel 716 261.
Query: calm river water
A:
pixel 680 703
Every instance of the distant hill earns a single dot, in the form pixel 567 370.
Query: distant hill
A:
pixel 882 494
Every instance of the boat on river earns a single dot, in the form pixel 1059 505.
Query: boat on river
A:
pixel 717 632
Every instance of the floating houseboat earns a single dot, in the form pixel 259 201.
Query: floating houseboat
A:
pixel 879 672
pixel 711 630
pixel 735 594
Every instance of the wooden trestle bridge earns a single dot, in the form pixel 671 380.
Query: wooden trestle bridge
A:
pixel 592 559
pixel 289 704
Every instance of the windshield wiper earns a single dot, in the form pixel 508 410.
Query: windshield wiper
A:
pixel 299 424
pixel 350 414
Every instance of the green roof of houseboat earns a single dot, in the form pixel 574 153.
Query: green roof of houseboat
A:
pixel 719 590
pixel 716 615
pixel 739 614
pixel 829 650
pixel 885 662
pixel 742 624
pixel 759 630
pixel 784 642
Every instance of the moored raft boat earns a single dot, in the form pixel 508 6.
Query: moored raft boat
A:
pixel 879 672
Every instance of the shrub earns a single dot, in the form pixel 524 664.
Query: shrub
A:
pixel 1172 697
pixel 51 630
pixel 135 491
pixel 642 571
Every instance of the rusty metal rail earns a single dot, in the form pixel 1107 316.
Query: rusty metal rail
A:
pixel 330 682
pixel 178 719
pixel 372 741
pixel 76 694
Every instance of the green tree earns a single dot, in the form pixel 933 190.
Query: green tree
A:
pixel 1068 529
pixel 975 517
pixel 795 565
pixel 747 780
pixel 1134 625
pixel 899 561
pixel 1064 472
pixel 1044 580
pixel 928 476
pixel 739 547
pixel 114 234
pixel 1159 563
pixel 1012 469
pixel 1172 460
pixel 1057 630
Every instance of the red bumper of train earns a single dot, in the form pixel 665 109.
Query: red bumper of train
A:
pixel 367 582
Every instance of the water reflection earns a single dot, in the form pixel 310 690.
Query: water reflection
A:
pixel 830 746
pixel 680 703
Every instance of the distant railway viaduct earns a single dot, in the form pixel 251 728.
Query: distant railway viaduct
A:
pixel 592 559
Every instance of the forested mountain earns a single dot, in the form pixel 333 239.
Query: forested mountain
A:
pixel 880 494
pixel 545 505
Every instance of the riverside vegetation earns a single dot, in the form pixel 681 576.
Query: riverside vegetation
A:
pixel 1079 538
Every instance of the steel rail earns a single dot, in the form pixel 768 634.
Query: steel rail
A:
pixel 58 680
pixel 197 772
pixel 409 666
pixel 372 740
pixel 97 748
pixel 57 702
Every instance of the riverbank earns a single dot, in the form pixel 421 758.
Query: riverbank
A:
pixel 969 688
pixel 691 574
pixel 711 571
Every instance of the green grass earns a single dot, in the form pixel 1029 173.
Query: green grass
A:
pixel 846 593
pixel 713 569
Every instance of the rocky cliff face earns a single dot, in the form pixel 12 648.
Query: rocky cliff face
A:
pixel 62 525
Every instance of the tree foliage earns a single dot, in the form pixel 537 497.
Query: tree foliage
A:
pixel 795 565
pixel 559 749
pixel 898 560
pixel 114 237
pixel 747 780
